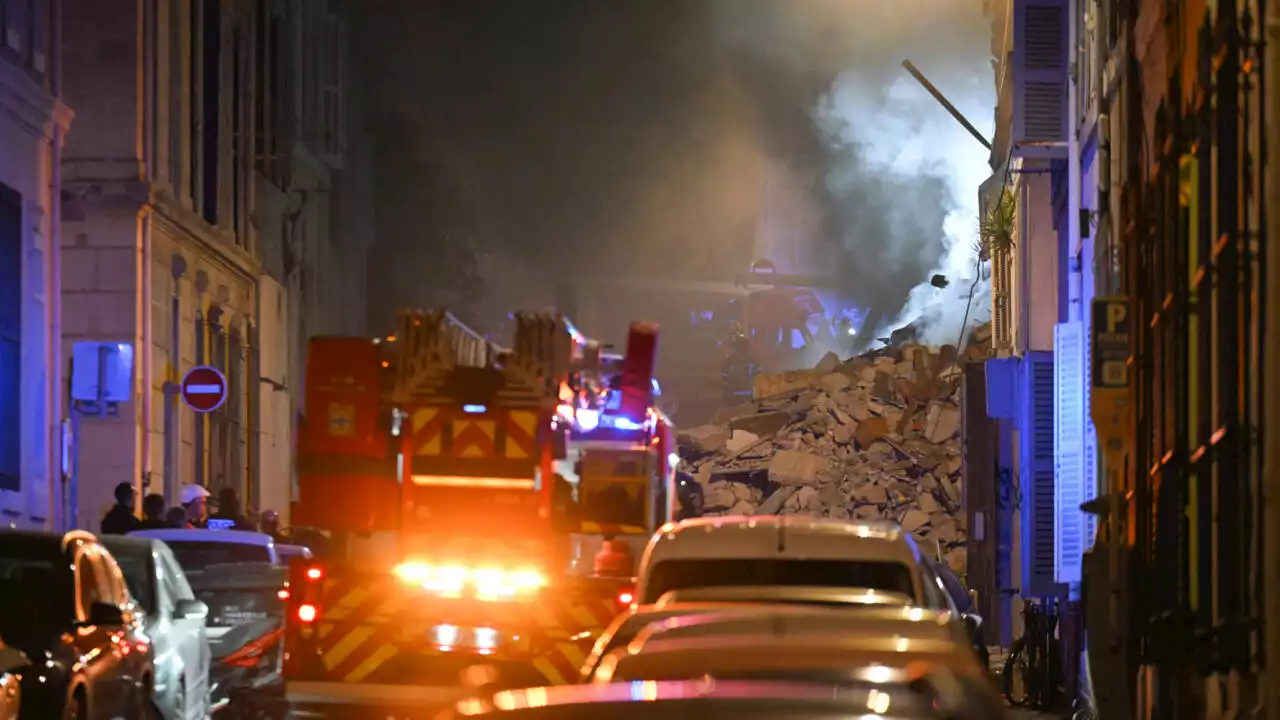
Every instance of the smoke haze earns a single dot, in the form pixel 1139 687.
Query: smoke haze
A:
pixel 900 175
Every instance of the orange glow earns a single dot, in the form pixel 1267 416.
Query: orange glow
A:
pixel 493 483
pixel 488 583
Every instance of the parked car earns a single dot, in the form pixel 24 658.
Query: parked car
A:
pixel 65 604
pixel 175 622
pixel 965 604
pixel 12 661
pixel 289 552
pixel 238 575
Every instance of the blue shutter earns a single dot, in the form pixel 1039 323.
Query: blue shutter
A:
pixel 1036 474
pixel 1068 450
pixel 1040 60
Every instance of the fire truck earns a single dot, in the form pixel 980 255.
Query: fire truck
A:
pixel 621 453
pixel 428 460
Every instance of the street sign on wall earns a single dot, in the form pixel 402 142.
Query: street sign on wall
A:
pixel 204 389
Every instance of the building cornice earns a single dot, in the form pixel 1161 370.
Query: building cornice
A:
pixel 30 104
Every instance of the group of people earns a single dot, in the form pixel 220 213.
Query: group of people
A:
pixel 191 512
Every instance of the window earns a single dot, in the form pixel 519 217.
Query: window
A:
pixel 139 577
pixel 198 556
pixel 211 86
pixel 11 292
pixel 195 116
pixel 332 78
pixel 727 572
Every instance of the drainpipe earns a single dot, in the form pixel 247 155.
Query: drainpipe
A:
pixel 202 284
pixel 1271 347
pixel 172 431
pixel 146 221
pixel 53 281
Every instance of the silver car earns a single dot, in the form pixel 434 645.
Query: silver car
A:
pixel 175 621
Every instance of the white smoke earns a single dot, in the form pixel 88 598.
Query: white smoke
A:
pixel 902 174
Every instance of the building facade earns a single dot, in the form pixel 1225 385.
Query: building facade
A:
pixel 208 182
pixel 33 123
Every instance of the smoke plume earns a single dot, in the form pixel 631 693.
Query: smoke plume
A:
pixel 900 175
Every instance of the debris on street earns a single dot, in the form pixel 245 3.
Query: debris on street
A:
pixel 876 437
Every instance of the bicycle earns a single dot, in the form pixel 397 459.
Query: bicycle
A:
pixel 1032 674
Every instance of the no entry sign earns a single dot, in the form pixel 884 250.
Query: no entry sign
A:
pixel 204 389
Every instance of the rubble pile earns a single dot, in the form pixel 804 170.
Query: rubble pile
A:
pixel 876 437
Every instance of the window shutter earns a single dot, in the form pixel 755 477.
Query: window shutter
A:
pixel 1040 63
pixel 1036 475
pixel 1068 450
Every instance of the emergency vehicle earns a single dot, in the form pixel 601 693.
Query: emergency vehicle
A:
pixel 429 461
pixel 621 458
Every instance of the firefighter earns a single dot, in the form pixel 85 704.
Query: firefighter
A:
pixel 736 368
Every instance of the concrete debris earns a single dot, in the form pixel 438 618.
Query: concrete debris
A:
pixel 876 437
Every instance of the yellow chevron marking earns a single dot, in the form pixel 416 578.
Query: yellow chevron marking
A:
pixel 488 427
pixel 325 630
pixel 349 602
pixel 572 653
pixel 524 419
pixel 549 671
pixel 423 416
pixel 379 656
pixel 346 646
pixel 582 615
pixel 545 618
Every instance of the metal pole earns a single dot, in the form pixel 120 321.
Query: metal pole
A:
pixel 946 104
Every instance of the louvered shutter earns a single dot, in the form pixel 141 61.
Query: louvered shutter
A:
pixel 1036 474
pixel 1040 62
pixel 1068 450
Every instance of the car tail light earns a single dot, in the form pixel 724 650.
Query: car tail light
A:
pixel 283 592
pixel 625 598
pixel 252 653
pixel 314 573
pixel 308 613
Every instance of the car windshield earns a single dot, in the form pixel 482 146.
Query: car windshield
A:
pixel 36 592
pixel 197 556
pixel 721 572
pixel 139 576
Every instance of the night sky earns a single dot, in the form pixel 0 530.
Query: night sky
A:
pixel 548 138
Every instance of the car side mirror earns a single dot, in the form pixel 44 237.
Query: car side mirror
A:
pixel 106 614
pixel 12 659
pixel 972 621
pixel 190 609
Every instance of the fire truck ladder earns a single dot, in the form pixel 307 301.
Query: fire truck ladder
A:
pixel 431 343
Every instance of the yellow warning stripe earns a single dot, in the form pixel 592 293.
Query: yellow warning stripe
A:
pixel 346 646
pixel 595 528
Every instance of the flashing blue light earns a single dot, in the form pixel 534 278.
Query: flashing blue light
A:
pixel 588 420
pixel 657 389
pixel 474 409
pixel 219 524
pixel 625 423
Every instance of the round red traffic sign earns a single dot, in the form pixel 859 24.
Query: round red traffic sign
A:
pixel 204 389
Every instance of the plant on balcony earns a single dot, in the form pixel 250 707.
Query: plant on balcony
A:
pixel 995 227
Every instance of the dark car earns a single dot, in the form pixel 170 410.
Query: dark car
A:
pixel 64 603
pixel 964 603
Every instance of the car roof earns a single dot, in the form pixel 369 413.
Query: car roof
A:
pixel 741 536
pixel 797 594
pixel 573 695
pixel 129 543
pixel 783 622
pixel 666 659
pixel 239 537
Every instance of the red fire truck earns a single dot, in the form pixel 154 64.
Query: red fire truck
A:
pixel 428 460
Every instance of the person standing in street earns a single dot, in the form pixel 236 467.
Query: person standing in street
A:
pixel 195 501
pixel 120 519
pixel 177 518
pixel 229 515
pixel 153 509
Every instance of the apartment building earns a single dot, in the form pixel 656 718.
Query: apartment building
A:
pixel 33 124
pixel 202 213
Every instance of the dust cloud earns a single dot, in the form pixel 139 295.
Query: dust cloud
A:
pixel 900 175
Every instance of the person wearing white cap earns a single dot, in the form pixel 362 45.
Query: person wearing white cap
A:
pixel 195 502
